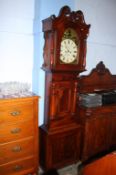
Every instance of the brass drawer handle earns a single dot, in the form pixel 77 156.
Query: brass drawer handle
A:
pixel 16 149
pixel 15 130
pixel 15 113
pixel 17 167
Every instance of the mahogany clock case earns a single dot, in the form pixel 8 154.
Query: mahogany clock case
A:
pixel 60 134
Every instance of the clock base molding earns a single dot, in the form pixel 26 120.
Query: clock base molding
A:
pixel 59 147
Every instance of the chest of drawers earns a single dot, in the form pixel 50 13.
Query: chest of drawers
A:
pixel 19 136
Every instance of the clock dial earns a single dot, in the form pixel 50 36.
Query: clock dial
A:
pixel 69 48
pixel 68 51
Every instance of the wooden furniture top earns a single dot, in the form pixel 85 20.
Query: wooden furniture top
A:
pixel 17 95
pixel 100 79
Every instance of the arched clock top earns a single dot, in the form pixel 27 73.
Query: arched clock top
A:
pixel 65 16
pixel 64 11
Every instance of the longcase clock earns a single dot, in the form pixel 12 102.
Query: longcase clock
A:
pixel 64 58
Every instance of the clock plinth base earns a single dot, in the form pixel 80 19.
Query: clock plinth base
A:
pixel 59 147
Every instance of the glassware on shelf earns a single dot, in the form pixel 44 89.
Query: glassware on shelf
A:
pixel 14 88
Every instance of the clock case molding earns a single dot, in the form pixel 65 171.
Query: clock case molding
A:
pixel 54 28
pixel 60 134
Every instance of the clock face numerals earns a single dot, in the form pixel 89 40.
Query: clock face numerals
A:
pixel 68 51
pixel 69 48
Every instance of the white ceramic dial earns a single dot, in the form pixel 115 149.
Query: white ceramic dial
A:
pixel 68 51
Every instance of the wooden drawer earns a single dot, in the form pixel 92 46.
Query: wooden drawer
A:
pixel 16 150
pixel 16 112
pixel 17 131
pixel 18 168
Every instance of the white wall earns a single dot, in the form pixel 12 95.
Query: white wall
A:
pixel 102 39
pixel 16 40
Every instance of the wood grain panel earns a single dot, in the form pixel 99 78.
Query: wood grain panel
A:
pixel 18 167
pixel 16 131
pixel 15 112
pixel 16 150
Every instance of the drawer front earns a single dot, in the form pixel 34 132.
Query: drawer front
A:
pixel 16 150
pixel 17 131
pixel 19 167
pixel 16 112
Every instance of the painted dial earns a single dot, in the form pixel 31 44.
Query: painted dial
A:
pixel 68 51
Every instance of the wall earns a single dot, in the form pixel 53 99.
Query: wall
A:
pixel 102 39
pixel 16 40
